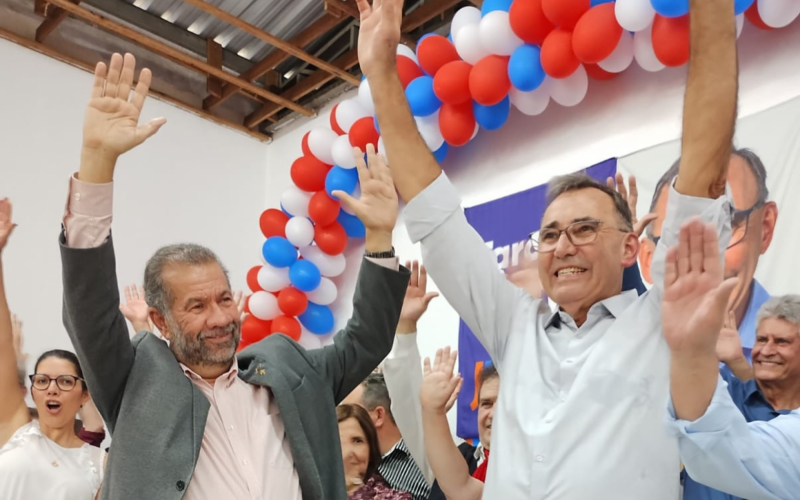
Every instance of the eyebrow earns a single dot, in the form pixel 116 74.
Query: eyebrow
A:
pixel 554 224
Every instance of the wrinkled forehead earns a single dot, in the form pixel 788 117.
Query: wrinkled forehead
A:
pixel 578 205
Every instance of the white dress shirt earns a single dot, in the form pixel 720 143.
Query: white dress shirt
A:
pixel 581 410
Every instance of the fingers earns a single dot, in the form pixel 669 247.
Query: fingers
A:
pixel 683 250
pixel 378 167
pixel 113 77
pixel 723 294
pixel 696 246
pixel 437 359
pixel 361 166
pixel 450 361
pixel 429 297
pixel 732 320
pixel 633 195
pixel 414 281
pixel 128 294
pixel 363 8
pixel 671 267
pixel 126 77
pixel 454 385
pixel 642 223
pixel 345 199
pixel 426 367
pixel 712 260
pixel 142 88
pixel 141 292
pixel 621 186
pixel 99 83
pixel 610 183
pixel 423 278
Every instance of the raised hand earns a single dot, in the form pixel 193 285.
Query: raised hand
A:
pixel 18 339
pixel 416 300
pixel 111 126
pixel 695 296
pixel 240 300
pixel 377 207
pixel 631 195
pixel 379 35
pixel 7 225
pixel 526 276
pixel 136 309
pixel 729 344
pixel 440 384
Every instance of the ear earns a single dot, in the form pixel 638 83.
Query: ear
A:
pixel 630 249
pixel 380 416
pixel 84 397
pixel 160 321
pixel 768 225
pixel 646 251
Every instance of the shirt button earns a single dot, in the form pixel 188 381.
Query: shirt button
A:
pixel 77 196
pixel 180 485
pixel 244 462
pixel 539 458
pixel 230 427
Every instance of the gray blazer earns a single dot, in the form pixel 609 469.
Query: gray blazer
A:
pixel 156 415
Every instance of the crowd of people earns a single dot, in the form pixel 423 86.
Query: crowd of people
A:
pixel 587 384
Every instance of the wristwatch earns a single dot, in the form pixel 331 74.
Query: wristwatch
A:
pixel 380 255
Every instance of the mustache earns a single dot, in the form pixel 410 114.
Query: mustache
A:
pixel 231 328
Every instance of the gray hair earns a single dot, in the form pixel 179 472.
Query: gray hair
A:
pixel 785 307
pixel 750 158
pixel 575 182
pixel 157 293
pixel 376 394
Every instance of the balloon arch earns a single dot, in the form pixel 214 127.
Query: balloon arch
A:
pixel 521 53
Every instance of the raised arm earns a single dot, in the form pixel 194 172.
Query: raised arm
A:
pixel 709 108
pixel 91 297
pixel 136 310
pixel 13 413
pixel 449 466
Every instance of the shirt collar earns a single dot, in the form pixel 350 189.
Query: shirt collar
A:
pixel 399 446
pixel 226 378
pixel 614 306
pixel 480 452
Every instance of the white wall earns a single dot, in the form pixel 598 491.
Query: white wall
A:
pixel 193 182
pixel 618 117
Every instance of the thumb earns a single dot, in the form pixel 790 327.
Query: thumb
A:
pixel 429 297
pixel 346 199
pixel 144 132
pixel 723 293
pixel 643 223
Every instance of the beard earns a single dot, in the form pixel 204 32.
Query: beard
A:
pixel 193 350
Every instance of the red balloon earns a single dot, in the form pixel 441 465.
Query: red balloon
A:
pixel 331 239
pixel 598 73
pixel 363 132
pixel 252 278
pixel 254 330
pixel 292 301
pixel 322 209
pixel 408 70
pixel 287 326
pixel 597 34
pixel 334 125
pixel 273 223
pixel 308 173
pixel 488 80
pixel 451 83
pixel 434 52
pixel 565 13
pixel 671 40
pixel 754 17
pixel 558 58
pixel 529 22
pixel 457 123
pixel 304 145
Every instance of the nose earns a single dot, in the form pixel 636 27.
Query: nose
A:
pixel 769 349
pixel 219 317
pixel 53 389
pixel 564 247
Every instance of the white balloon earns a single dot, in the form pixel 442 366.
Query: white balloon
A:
pixel 739 25
pixel 348 112
pixel 263 305
pixel 295 201
pixel 571 90
pixel 634 15
pixel 428 127
pixel 320 142
pixel 475 132
pixel 342 152
pixel 328 265
pixel 273 279
pixel 464 17
pixel 308 340
pixel 469 45
pixel 324 294
pixel 299 231
pixel 497 35
pixel 622 56
pixel 405 50
pixel 356 194
pixel 365 97
pixel 534 102
pixel 778 13
pixel 643 50
pixel 381 147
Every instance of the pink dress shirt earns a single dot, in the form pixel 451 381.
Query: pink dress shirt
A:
pixel 244 453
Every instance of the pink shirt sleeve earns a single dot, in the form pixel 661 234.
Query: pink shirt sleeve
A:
pixel 391 262
pixel 87 216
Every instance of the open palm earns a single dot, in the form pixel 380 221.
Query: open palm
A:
pixel 695 295
pixel 377 206
pixel 417 297
pixel 729 344
pixel 379 34
pixel 440 385
pixel 6 223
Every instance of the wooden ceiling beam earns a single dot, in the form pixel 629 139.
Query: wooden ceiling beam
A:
pixel 53 53
pixel 350 8
pixel 214 58
pixel 272 40
pixel 305 37
pixel 53 17
pixel 425 13
pixel 177 56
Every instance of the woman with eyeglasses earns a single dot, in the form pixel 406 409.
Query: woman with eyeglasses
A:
pixel 44 458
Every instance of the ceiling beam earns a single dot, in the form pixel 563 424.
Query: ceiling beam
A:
pixel 167 31
pixel 270 62
pixel 177 56
pixel 51 52
pixel 350 8
pixel 425 13
pixel 53 17
pixel 272 40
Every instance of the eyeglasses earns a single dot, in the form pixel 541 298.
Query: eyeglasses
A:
pixel 42 382
pixel 578 233
pixel 739 224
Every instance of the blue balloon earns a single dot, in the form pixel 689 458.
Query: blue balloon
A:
pixel 598 2
pixel 363 77
pixel 492 5
pixel 352 225
pixel 742 5
pixel 317 319
pixel 421 98
pixel 671 8
pixel 450 37
pixel 525 68
pixel 375 122
pixel 341 179
pixel 441 153
pixel 492 117
pixel 279 252
pixel 304 275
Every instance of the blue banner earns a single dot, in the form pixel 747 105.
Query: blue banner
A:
pixel 504 225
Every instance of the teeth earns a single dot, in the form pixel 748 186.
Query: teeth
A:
pixel 570 270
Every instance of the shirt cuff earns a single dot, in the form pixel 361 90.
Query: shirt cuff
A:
pixel 713 420
pixel 431 207
pixel 681 207
pixel 92 200
pixel 392 263
pixel 405 345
